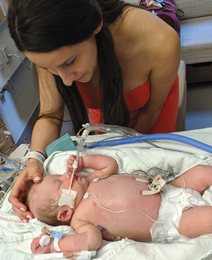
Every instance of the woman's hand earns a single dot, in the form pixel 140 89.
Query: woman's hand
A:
pixel 71 162
pixel 33 171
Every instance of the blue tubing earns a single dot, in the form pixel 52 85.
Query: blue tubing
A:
pixel 151 137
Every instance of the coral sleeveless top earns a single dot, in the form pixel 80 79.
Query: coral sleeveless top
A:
pixel 135 100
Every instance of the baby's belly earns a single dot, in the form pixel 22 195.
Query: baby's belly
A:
pixel 118 205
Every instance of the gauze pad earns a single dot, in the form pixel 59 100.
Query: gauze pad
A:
pixel 68 198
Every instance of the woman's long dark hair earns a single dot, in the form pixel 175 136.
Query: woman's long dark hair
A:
pixel 46 25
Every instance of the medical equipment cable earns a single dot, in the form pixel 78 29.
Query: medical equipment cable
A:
pixel 4 180
pixel 124 210
pixel 184 186
pixel 198 163
pixel 87 145
pixel 151 137
pixel 1 191
pixel 124 131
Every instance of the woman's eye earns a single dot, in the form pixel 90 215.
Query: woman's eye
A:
pixel 71 63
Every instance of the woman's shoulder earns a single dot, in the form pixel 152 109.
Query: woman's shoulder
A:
pixel 128 28
pixel 138 31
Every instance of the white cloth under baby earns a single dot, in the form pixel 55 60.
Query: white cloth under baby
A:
pixel 174 202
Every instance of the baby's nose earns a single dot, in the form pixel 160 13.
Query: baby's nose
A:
pixel 65 176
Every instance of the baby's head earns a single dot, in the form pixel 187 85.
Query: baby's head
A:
pixel 42 199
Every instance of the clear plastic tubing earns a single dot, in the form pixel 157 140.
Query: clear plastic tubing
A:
pixel 151 137
pixel 81 144
pixel 8 160
pixel 9 183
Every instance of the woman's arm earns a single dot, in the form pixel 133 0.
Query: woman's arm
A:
pixel 147 49
pixel 45 131
pixel 165 58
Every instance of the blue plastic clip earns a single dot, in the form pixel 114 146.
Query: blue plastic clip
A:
pixel 56 234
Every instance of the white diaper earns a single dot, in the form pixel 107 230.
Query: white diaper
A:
pixel 174 202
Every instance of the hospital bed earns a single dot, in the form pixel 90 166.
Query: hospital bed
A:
pixel 170 155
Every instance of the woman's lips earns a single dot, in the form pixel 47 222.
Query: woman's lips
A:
pixel 80 77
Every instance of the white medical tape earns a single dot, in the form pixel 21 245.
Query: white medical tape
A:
pixel 44 240
pixel 68 198
pixel 141 180
pixel 56 244
pixel 149 192
pixel 36 155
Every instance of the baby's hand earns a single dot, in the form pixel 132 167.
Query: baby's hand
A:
pixel 71 162
pixel 37 249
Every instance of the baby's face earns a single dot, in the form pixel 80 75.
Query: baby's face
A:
pixel 52 186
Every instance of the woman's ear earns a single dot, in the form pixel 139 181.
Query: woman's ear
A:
pixel 98 29
pixel 65 213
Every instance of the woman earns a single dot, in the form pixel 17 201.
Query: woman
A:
pixel 117 60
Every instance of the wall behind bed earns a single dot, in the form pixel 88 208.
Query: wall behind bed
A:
pixel 19 108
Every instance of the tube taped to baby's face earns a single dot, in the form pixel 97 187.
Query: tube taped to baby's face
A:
pixel 68 198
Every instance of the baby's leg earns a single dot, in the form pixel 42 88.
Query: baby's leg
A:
pixel 196 221
pixel 198 178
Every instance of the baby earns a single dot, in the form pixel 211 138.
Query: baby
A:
pixel 112 206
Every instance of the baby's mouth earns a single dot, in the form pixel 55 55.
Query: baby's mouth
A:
pixel 77 177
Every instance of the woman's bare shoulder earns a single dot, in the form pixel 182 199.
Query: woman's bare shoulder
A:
pixel 129 28
pixel 138 31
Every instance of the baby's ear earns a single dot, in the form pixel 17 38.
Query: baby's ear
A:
pixel 65 213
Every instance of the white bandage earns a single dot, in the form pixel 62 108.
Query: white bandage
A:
pixel 36 155
pixel 44 240
pixel 68 198
pixel 56 245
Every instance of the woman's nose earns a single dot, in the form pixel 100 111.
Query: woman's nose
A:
pixel 67 77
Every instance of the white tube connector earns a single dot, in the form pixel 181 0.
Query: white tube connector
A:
pixel 85 134
pixel 75 164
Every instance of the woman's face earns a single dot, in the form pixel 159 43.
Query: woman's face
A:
pixel 72 63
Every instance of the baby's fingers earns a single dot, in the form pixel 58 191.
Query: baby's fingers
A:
pixel 35 244
pixel 72 157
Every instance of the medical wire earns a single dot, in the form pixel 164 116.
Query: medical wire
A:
pixel 184 186
pixel 1 191
pixel 124 210
pixel 198 163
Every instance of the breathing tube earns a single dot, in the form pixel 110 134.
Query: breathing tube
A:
pixel 122 130
pixel 151 137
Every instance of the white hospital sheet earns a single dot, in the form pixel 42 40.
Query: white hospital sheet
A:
pixel 16 236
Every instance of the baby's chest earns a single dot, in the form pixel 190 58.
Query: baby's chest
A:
pixel 117 193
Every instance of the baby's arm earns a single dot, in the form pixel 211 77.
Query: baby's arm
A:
pixel 197 178
pixel 103 165
pixel 88 237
